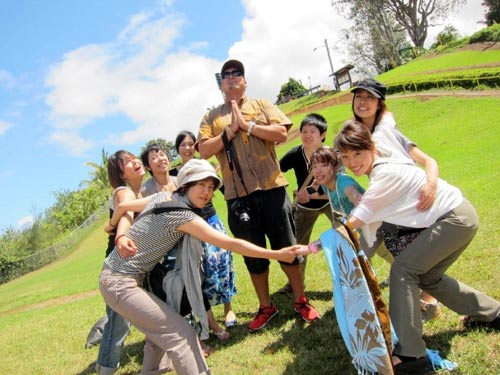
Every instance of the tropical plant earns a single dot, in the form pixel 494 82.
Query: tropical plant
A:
pixel 99 175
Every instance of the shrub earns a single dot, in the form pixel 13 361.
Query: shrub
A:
pixel 488 34
pixel 453 45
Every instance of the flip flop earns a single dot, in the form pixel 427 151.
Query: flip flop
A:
pixel 222 336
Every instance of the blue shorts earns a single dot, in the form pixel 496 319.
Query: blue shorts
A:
pixel 271 216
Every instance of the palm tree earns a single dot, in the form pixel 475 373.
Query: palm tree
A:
pixel 99 174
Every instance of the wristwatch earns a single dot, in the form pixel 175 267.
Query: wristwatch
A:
pixel 251 124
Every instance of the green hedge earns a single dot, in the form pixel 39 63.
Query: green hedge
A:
pixel 468 80
pixel 488 34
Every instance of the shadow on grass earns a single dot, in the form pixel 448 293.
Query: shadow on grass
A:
pixel 318 347
pixel 131 353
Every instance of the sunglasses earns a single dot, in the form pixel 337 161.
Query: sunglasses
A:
pixel 232 73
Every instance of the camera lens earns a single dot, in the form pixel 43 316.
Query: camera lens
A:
pixel 244 217
pixel 241 211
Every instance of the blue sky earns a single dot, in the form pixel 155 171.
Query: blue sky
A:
pixel 78 76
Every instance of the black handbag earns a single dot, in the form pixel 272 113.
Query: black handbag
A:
pixel 154 279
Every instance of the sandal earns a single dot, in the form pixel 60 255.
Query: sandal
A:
pixel 222 336
pixel 417 366
pixel 206 349
pixel 230 320
pixel 470 323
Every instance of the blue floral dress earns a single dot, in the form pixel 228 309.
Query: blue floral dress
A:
pixel 219 285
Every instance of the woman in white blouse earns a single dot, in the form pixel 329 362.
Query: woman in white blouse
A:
pixel 449 225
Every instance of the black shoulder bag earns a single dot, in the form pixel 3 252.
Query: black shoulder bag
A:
pixel 153 281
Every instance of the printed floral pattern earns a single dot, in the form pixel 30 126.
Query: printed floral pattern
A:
pixel 219 285
pixel 355 313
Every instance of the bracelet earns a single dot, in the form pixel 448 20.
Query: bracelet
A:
pixel 251 124
pixel 314 247
pixel 229 132
pixel 118 237
pixel 112 225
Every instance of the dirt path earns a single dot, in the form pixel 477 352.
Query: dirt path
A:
pixel 346 98
pixel 51 302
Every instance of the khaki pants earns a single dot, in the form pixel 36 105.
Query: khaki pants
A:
pixel 163 327
pixel 423 265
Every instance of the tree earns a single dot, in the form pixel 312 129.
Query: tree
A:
pixel 374 42
pixel 291 89
pixel 72 208
pixel 99 175
pixel 412 16
pixel 448 35
pixel 415 16
pixel 492 15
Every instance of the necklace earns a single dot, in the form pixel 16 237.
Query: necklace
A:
pixel 306 159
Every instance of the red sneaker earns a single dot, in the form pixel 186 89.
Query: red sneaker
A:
pixel 263 316
pixel 306 311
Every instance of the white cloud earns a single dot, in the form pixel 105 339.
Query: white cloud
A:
pixel 73 143
pixel 137 75
pixel 6 79
pixel 25 221
pixel 4 126
pixel 278 42
pixel 162 89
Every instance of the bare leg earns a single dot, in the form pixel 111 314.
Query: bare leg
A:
pixel 230 317
pixel 294 274
pixel 261 285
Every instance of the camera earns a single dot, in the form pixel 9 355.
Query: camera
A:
pixel 311 190
pixel 241 209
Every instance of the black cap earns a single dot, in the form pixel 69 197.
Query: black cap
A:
pixel 233 64
pixel 375 88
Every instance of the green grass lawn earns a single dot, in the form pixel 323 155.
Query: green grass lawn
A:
pixel 45 316
pixel 444 65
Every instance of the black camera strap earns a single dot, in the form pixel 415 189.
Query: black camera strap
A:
pixel 232 160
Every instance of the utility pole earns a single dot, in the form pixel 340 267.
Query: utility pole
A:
pixel 335 83
pixel 218 78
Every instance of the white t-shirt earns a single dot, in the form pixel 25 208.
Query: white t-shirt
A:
pixel 389 140
pixel 392 196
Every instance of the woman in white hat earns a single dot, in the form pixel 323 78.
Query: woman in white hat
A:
pixel 220 284
pixel 156 231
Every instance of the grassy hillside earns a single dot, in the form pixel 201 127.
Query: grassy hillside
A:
pixel 45 316
pixel 478 64
pixel 446 65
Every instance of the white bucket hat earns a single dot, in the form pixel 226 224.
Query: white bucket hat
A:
pixel 197 170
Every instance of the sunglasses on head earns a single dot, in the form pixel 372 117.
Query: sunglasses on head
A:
pixel 231 73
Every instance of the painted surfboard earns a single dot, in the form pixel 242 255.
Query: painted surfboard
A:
pixel 367 335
